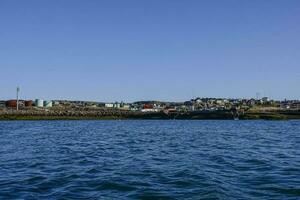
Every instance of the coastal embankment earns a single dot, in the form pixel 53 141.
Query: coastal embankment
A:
pixel 102 114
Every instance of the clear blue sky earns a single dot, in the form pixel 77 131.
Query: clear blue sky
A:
pixel 113 50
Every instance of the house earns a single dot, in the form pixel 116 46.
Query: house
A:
pixel 148 108
pixel 109 105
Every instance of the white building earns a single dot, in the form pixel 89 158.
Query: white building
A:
pixel 109 105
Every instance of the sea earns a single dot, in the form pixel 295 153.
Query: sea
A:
pixel 167 159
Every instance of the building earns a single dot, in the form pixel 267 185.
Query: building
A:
pixel 265 99
pixel 148 108
pixel 48 104
pixel 39 103
pixel 11 103
pixel 295 106
pixel 2 104
pixel 125 107
pixel 112 105
pixel 109 105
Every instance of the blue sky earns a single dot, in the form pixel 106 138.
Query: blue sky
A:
pixel 114 50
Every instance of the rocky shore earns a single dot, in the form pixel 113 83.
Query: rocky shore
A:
pixel 76 114
pixel 65 114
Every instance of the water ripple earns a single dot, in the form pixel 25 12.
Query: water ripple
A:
pixel 150 160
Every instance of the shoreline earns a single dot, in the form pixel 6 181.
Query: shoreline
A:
pixel 12 115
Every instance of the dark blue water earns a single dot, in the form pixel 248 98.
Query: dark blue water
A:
pixel 150 160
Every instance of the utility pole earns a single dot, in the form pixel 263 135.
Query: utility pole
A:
pixel 18 90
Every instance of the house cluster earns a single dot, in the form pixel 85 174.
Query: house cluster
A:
pixel 227 104
pixel 216 104
pixel 290 104
pixel 197 104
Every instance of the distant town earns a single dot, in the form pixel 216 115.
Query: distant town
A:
pixel 197 104
pixel 189 109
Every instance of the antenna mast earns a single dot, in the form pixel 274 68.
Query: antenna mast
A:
pixel 18 90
